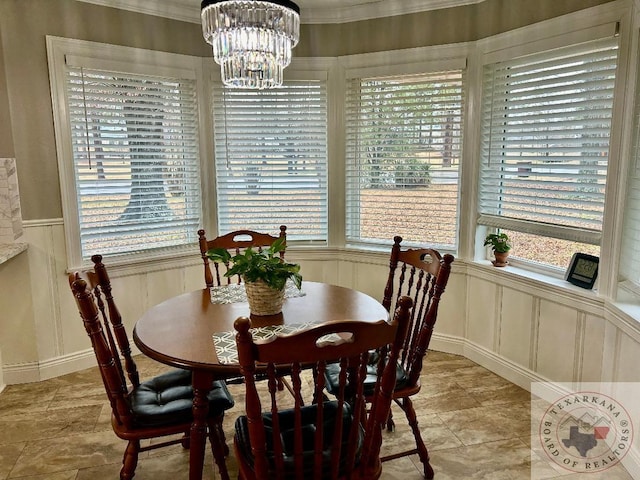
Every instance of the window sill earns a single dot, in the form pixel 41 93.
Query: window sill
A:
pixel 538 284
pixel 148 262
pixel 629 310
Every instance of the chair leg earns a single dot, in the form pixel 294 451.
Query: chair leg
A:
pixel 130 460
pixel 219 446
pixel 407 406
pixel 186 440
pixel 391 426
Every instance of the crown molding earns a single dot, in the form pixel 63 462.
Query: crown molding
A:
pixel 334 12
pixel 184 10
pixel 341 13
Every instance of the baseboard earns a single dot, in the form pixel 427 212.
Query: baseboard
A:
pixel 515 373
pixel 486 358
pixel 21 373
pixel 55 367
pixel 447 344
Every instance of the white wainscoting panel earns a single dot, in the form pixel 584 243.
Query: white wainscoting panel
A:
pixel 43 295
pixel 516 327
pixel 371 279
pixel 452 311
pixel 593 348
pixel 482 310
pixel 17 329
pixel 556 343
pixel 627 360
pixel 162 285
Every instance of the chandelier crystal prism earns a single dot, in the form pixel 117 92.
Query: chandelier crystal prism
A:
pixel 251 39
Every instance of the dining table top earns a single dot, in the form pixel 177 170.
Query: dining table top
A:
pixel 180 331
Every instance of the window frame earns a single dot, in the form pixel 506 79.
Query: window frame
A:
pixel 421 60
pixel 300 69
pixel 548 36
pixel 627 290
pixel 130 60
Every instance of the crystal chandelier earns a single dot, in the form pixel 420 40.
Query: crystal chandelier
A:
pixel 251 39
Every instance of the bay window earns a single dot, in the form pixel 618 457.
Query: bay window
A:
pixel 271 159
pixel 403 151
pixel 546 121
pixel 128 149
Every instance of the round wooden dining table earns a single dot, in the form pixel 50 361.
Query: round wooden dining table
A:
pixel 180 332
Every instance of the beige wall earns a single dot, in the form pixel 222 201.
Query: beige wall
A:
pixel 437 27
pixel 17 328
pixel 6 141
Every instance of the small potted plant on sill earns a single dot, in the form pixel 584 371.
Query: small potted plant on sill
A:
pixel 500 244
pixel 264 275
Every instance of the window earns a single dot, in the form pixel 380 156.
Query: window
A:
pixel 546 122
pixel 131 158
pixel 403 156
pixel 271 159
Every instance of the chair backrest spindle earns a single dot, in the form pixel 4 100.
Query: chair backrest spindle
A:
pixel 235 242
pixel 422 274
pixel 327 439
pixel 107 359
pixel 115 319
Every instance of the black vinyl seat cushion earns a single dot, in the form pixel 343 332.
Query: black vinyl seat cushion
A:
pixel 287 432
pixel 333 371
pixel 168 399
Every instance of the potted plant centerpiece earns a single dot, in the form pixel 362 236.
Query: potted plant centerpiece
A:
pixel 264 275
pixel 500 244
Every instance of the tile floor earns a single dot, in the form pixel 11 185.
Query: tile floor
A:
pixel 476 425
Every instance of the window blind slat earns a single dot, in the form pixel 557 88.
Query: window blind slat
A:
pixel 545 139
pixel 271 159
pixel 135 146
pixel 403 141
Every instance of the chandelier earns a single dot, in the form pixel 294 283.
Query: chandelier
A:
pixel 251 39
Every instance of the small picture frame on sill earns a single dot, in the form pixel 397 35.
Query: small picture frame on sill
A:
pixel 583 270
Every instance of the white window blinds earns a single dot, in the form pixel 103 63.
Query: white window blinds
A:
pixel 545 141
pixel 136 162
pixel 271 159
pixel 403 145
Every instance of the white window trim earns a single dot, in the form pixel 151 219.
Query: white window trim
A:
pixel 143 61
pixel 301 68
pixel 627 291
pixel 391 63
pixel 553 33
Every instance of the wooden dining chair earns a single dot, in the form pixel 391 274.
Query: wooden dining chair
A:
pixel 421 274
pixel 157 407
pixel 333 439
pixel 235 242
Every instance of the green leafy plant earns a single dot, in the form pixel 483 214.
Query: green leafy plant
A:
pixel 264 265
pixel 499 242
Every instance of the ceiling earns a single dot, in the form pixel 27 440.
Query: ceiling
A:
pixel 312 11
